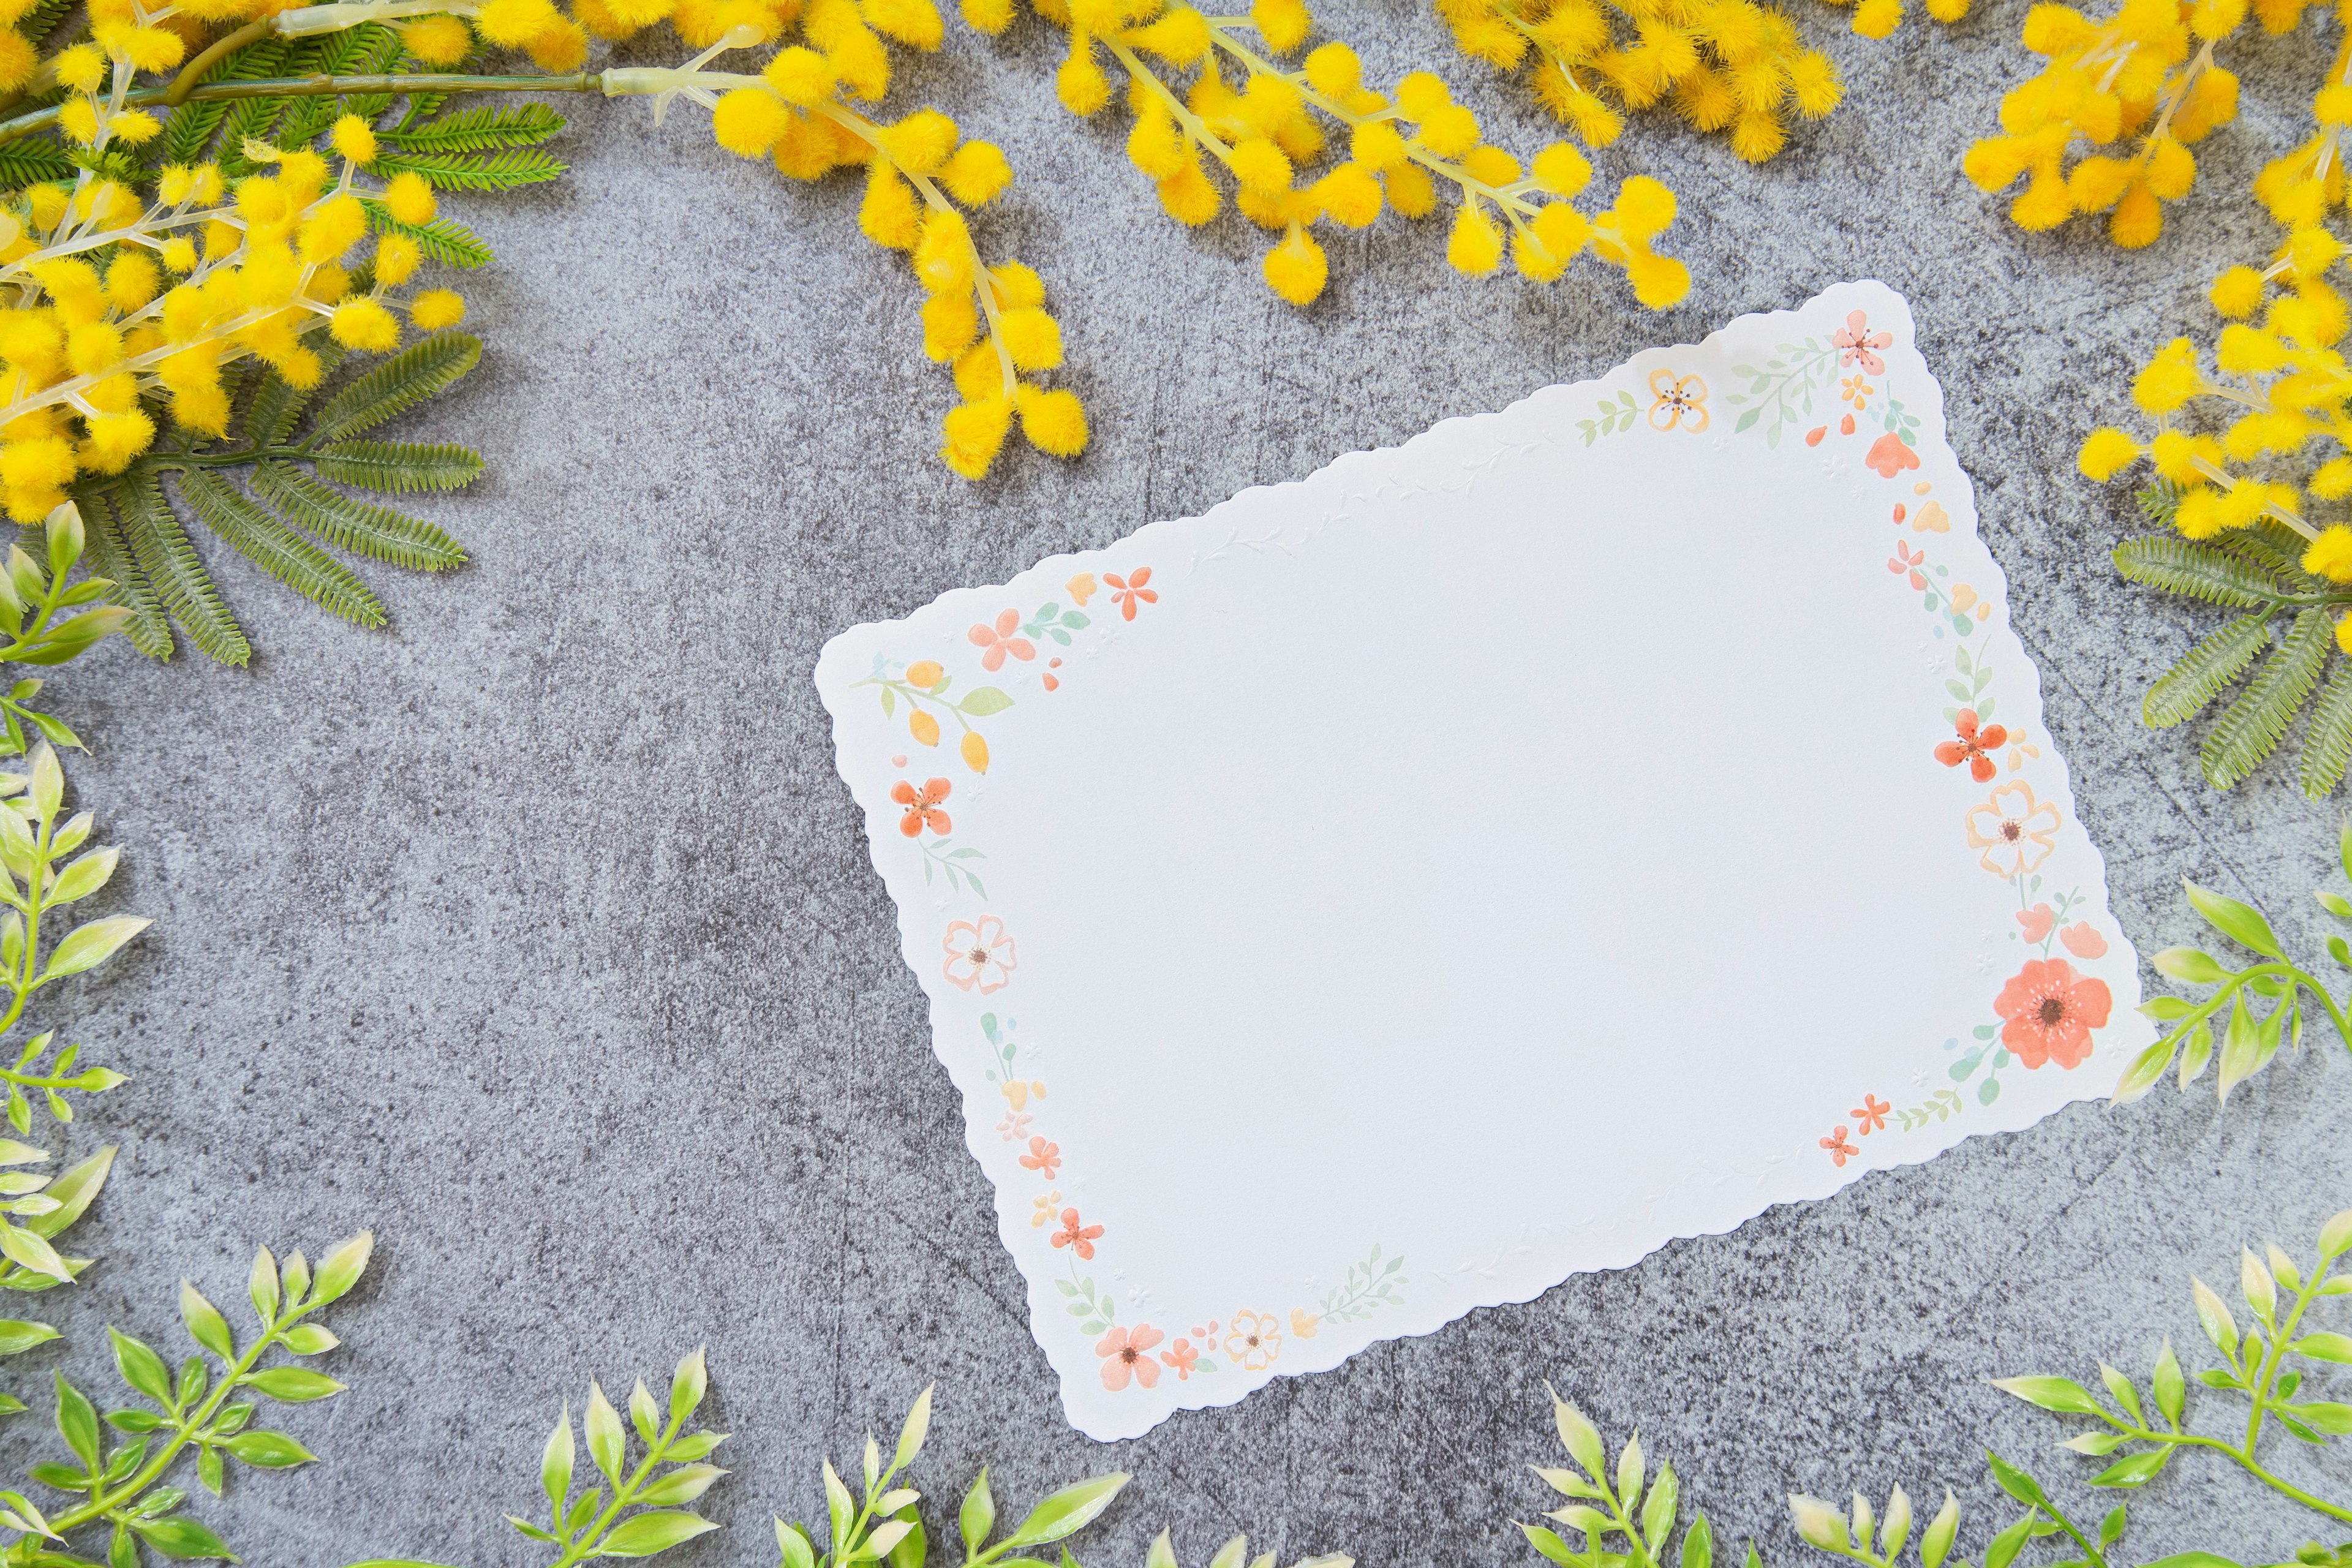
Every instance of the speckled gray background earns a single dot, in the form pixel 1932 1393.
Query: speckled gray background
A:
pixel 539 934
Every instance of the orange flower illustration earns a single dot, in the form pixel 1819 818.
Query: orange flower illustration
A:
pixel 1126 1354
pixel 1870 1115
pixel 1043 1158
pixel 1254 1339
pixel 2048 1013
pixel 979 952
pixel 1856 391
pixel 1182 1355
pixel 922 806
pixel 1839 1150
pixel 2015 832
pixel 999 641
pixel 1680 400
pixel 1127 590
pixel 2036 923
pixel 2083 940
pixel 1972 746
pixel 1890 457
pixel 1079 1238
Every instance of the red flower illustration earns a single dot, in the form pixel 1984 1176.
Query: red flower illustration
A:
pixel 1890 457
pixel 1078 1240
pixel 1044 1159
pixel 1871 1114
pixel 1971 746
pixel 922 806
pixel 1131 588
pixel 2048 1012
pixel 1839 1150
pixel 999 641
pixel 1857 340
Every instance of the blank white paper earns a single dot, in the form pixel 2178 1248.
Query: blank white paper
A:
pixel 1485 860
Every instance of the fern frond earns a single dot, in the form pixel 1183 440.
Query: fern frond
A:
pixel 33 160
pixel 2327 745
pixel 355 525
pixel 356 51
pixel 162 549
pixel 278 550
pixel 43 15
pixel 2200 571
pixel 2160 502
pixel 398 467
pixel 2201 673
pixel 189 132
pixel 443 239
pixel 508 168
pixel 482 129
pixel 2274 548
pixel 420 370
pixel 149 629
pixel 2252 726
pixel 276 403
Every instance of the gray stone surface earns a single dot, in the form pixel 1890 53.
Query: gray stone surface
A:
pixel 539 935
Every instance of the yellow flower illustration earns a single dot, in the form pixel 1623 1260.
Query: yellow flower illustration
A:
pixel 1680 400
pixel 1931 519
pixel 1303 1323
pixel 1081 587
pixel 1254 1339
pixel 1018 1094
pixel 1042 1207
pixel 2015 832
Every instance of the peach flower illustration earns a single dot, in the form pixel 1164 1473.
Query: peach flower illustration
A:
pixel 1871 1114
pixel 1076 1236
pixel 1303 1323
pixel 2036 923
pixel 1680 400
pixel 1971 745
pixel 1839 1150
pixel 2083 940
pixel 1081 587
pixel 2015 832
pixel 1890 457
pixel 2048 1013
pixel 978 954
pixel 1043 1158
pixel 922 806
pixel 998 641
pixel 1182 1355
pixel 1857 340
pixel 1126 1356
pixel 1254 1339
pixel 1127 590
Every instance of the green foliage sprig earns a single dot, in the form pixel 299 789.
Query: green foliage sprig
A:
pixel 1644 1511
pixel 31 599
pixel 2258 571
pixel 287 516
pixel 2255 1364
pixel 2252 1033
pixel 208 1411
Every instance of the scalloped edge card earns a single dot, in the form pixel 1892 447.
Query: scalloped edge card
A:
pixel 1485 861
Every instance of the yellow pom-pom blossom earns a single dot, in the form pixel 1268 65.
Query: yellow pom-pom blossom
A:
pixel 2144 82
pixel 119 317
pixel 1732 66
pixel 1306 146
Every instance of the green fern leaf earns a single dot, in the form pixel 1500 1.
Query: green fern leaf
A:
pixel 443 239
pixel 42 17
pixel 508 168
pixel 278 550
pixel 190 131
pixel 418 371
pixel 2274 548
pixel 2251 728
pixel 2160 502
pixel 2328 746
pixel 33 160
pixel 160 547
pixel 356 51
pixel 354 525
pixel 276 403
pixel 2198 571
pixel 482 129
pixel 398 467
pixel 2200 674
pixel 149 629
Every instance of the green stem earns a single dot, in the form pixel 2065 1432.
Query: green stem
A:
pixel 326 87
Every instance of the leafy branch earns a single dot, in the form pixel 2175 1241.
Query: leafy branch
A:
pixel 1646 1519
pixel 208 1412
pixel 2254 1366
pixel 2249 1040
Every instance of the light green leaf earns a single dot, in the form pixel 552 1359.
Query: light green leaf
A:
pixel 77 1423
pixel 2189 965
pixel 268 1450
pixel 683 1484
pixel 687 1386
pixel 2334 1236
pixel 2133 1470
pixel 88 946
pixel 982 701
pixel 2059 1394
pixel 261 1287
pixel 182 1537
pixel 555 1464
pixel 978 1515
pixel 18 1336
pixel 141 1367
pixel 1581 1438
pixel 206 1325
pixel 340 1270
pixel 2213 1317
pixel 83 877
pixel 292 1385
pixel 1069 1510
pixel 606 1440
pixel 1937 1544
pixel 1552 1546
pixel 1658 1511
pixel 27 1247
pixel 911 1433
pixel 647 1534
pixel 2172 1388
pixel 1698 1545
pixel 2325 1346
pixel 793 1548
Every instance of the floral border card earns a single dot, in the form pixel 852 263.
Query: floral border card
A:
pixel 1485 860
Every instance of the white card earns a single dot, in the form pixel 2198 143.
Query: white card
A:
pixel 1486 861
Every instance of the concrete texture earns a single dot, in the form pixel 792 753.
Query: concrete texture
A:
pixel 537 935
